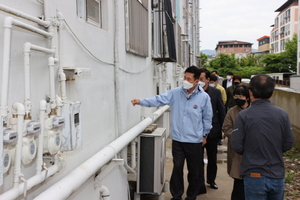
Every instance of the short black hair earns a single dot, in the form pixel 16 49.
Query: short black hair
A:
pixel 237 77
pixel 194 70
pixel 262 86
pixel 241 90
pixel 230 73
pixel 214 71
pixel 213 77
pixel 207 73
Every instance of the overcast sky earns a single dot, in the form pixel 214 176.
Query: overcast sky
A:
pixel 243 20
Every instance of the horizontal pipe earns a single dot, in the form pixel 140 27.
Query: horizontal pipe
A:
pixel 31 28
pixel 24 15
pixel 28 46
pixel 71 182
pixel 31 182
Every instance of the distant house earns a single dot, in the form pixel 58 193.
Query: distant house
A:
pixel 263 45
pixel 241 49
pixel 286 24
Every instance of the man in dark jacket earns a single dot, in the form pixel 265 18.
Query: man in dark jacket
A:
pixel 261 134
pixel 228 81
pixel 215 133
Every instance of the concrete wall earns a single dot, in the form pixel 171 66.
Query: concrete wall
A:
pixel 290 102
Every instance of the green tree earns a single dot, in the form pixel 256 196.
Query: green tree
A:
pixel 224 63
pixel 285 61
pixel 203 59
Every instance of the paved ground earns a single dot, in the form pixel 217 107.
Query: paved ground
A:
pixel 223 181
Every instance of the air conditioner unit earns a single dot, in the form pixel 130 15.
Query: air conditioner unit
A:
pixel 151 162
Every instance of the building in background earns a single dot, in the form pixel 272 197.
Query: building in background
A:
pixel 263 45
pixel 239 48
pixel 285 25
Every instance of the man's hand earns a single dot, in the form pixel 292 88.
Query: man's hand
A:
pixel 203 141
pixel 135 102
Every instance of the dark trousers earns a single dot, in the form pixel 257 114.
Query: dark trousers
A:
pixel 238 190
pixel 211 151
pixel 191 152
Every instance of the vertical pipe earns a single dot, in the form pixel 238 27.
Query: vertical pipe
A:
pixel 52 82
pixel 20 111
pixel 5 69
pixel 133 154
pixel 39 160
pixel 116 77
pixel 26 55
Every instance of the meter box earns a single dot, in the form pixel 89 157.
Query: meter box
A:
pixel 52 134
pixel 1 151
pixel 71 134
pixel 29 144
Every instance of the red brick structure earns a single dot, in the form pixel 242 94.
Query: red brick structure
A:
pixel 239 48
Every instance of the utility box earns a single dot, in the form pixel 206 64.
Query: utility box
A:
pixel 71 134
pixel 151 162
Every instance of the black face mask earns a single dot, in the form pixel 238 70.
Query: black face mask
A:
pixel 236 83
pixel 240 102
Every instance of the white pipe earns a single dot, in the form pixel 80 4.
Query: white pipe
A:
pixel 39 159
pixel 7 26
pixel 27 47
pixel 117 69
pixel 5 69
pixel 31 182
pixel 71 182
pixel 18 109
pixel 61 74
pixel 52 83
pixel 31 28
pixel 133 154
pixel 104 192
pixel 62 79
pixel 59 105
pixel 24 15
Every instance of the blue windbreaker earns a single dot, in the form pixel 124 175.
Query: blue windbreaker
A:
pixel 191 117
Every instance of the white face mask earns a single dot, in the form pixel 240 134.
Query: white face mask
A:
pixel 212 85
pixel 187 85
pixel 228 77
pixel 202 84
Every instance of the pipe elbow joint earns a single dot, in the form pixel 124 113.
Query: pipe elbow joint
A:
pixel 51 61
pixel 60 16
pixel 18 108
pixel 8 22
pixel 62 76
pixel 43 105
pixel 27 47
pixel 104 191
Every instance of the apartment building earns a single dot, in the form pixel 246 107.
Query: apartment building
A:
pixel 285 25
pixel 239 48
pixel 263 45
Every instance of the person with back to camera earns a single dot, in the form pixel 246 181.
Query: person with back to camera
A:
pixel 261 134
pixel 242 98
pixel 191 118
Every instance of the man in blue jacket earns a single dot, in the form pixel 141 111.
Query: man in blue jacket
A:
pixel 261 134
pixel 191 118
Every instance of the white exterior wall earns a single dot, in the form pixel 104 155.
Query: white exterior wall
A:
pixel 103 116
pixel 293 29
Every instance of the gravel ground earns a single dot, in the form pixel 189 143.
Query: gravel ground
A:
pixel 292 173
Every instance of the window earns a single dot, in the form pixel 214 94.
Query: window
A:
pixel 137 35
pixel 91 11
